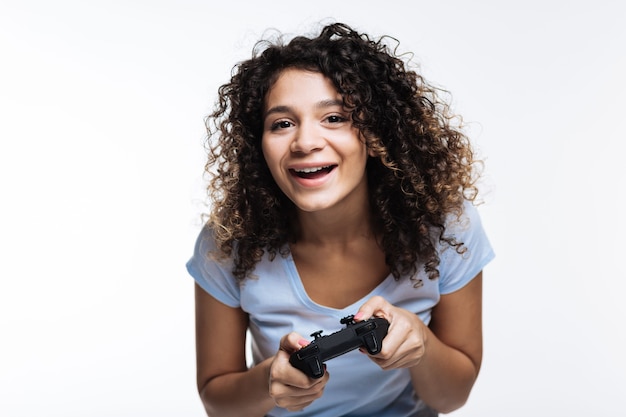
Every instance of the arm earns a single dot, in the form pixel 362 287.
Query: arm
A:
pixel 225 384
pixel 444 359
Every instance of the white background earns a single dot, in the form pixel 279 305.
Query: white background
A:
pixel 102 106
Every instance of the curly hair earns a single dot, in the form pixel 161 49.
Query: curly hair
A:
pixel 422 170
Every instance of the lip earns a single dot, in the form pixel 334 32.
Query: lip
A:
pixel 312 174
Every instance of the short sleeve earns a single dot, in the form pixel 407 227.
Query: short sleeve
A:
pixel 211 275
pixel 457 269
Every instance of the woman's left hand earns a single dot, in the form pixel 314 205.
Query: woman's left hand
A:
pixel 404 345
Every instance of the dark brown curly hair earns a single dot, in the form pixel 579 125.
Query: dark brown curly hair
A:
pixel 423 170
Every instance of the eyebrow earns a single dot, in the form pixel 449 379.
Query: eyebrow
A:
pixel 319 105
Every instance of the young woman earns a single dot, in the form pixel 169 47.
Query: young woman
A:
pixel 340 186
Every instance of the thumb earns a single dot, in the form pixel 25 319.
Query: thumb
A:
pixel 292 342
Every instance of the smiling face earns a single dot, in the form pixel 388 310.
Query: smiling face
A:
pixel 315 155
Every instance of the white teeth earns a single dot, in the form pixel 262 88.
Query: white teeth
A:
pixel 309 170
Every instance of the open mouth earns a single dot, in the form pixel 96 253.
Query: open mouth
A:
pixel 313 172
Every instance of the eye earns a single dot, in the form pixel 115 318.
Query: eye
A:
pixel 281 124
pixel 335 118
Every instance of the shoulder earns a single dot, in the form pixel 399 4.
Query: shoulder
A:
pixel 460 264
pixel 465 226
pixel 462 220
pixel 212 271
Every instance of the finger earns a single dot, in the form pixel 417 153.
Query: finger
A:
pixel 399 341
pixel 284 373
pixel 296 403
pixel 301 381
pixel 280 391
pixel 396 362
pixel 400 350
pixel 292 342
pixel 294 398
pixel 375 306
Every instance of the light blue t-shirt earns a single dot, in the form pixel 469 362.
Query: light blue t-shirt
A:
pixel 277 304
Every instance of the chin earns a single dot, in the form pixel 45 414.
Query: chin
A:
pixel 312 208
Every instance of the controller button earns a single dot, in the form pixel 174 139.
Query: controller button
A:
pixel 371 343
pixel 316 368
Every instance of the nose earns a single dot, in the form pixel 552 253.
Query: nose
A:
pixel 309 138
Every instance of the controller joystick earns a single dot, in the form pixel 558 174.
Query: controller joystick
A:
pixel 317 334
pixel 368 333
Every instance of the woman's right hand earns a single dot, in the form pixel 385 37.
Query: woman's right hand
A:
pixel 289 387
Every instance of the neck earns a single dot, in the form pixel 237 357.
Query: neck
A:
pixel 334 227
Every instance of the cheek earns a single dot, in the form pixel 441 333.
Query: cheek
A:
pixel 365 153
pixel 267 152
pixel 271 158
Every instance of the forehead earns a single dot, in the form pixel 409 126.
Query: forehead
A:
pixel 298 85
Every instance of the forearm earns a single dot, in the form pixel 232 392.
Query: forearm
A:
pixel 239 394
pixel 444 376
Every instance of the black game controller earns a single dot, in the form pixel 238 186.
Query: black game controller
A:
pixel 368 333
